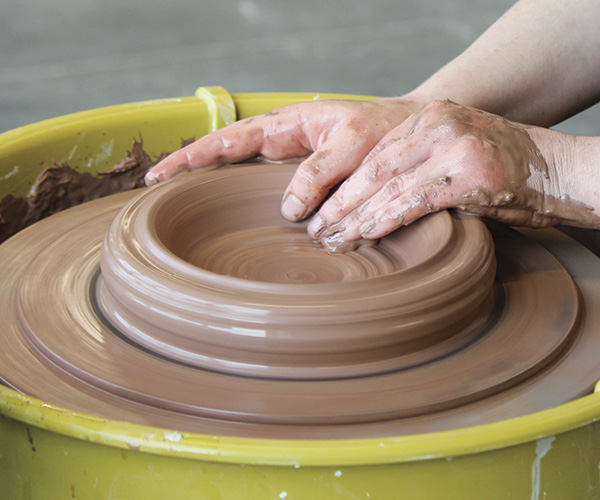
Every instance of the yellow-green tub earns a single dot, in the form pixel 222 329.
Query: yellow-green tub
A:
pixel 48 452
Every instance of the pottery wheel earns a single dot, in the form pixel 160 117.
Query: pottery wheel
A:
pixel 194 305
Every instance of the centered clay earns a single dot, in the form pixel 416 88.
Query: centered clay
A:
pixel 227 284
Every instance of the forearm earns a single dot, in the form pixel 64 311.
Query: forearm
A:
pixel 571 183
pixel 538 64
pixel 583 178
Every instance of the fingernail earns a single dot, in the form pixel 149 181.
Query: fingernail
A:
pixel 316 226
pixel 151 179
pixel 292 208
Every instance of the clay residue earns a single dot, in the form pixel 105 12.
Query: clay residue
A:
pixel 60 186
pixel 527 197
pixel 333 242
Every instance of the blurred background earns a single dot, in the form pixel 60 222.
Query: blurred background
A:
pixel 62 56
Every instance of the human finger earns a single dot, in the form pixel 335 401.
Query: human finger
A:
pixel 347 134
pixel 396 154
pixel 402 200
pixel 332 162
pixel 275 137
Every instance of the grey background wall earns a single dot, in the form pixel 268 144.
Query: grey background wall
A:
pixel 62 56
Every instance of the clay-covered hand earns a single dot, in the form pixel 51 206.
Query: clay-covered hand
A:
pixel 452 156
pixel 336 134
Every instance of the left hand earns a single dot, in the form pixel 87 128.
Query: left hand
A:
pixel 336 136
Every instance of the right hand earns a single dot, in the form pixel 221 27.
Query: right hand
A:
pixel 452 156
pixel 337 136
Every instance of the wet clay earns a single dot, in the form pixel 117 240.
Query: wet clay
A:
pixel 194 305
pixel 60 186
pixel 256 296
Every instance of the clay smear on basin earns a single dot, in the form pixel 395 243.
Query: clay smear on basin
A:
pixel 59 187
pixel 196 306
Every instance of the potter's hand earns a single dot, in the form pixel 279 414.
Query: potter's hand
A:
pixel 336 134
pixel 452 156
